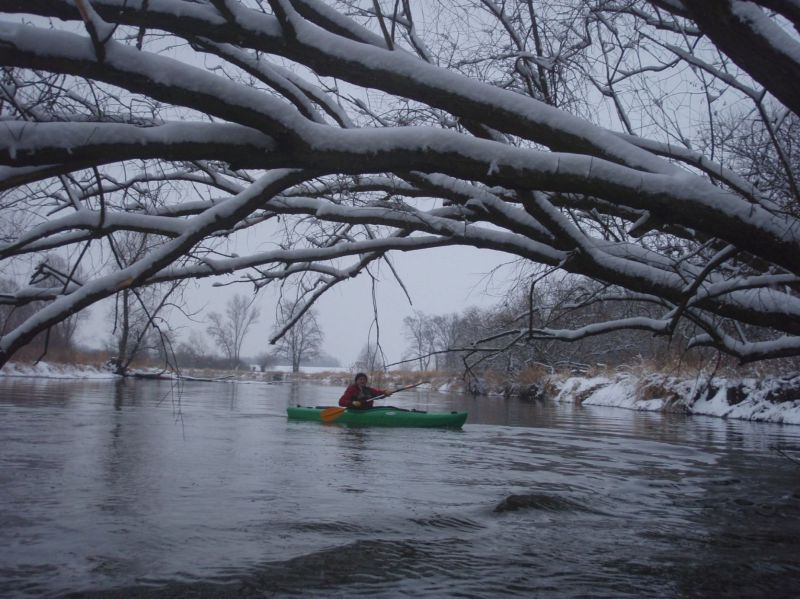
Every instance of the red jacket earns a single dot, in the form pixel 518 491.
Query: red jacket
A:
pixel 362 394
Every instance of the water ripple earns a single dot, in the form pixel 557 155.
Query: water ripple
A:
pixel 446 522
pixel 135 490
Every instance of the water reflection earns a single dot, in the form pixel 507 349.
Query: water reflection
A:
pixel 206 488
pixel 295 397
pixel 352 444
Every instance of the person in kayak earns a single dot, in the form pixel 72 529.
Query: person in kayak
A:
pixel 358 395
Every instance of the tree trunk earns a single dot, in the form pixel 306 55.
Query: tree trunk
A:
pixel 122 344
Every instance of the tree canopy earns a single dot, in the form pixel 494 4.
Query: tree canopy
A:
pixel 648 146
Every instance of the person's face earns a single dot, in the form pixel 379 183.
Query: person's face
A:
pixel 361 381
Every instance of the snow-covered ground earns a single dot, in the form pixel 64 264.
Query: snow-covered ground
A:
pixel 81 371
pixel 774 400
pixel 55 371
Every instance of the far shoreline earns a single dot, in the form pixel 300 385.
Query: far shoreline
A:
pixel 775 400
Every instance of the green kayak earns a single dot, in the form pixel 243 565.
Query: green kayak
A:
pixel 382 416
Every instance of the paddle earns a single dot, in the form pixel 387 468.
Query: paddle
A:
pixel 330 414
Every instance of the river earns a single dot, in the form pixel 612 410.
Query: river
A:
pixel 144 489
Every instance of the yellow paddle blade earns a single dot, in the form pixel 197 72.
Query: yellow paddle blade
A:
pixel 329 414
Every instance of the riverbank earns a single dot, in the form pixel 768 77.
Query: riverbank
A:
pixel 766 400
pixel 770 400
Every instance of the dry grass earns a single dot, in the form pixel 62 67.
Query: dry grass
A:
pixel 32 353
pixel 658 387
pixel 534 373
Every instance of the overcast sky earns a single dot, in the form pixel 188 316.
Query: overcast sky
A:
pixel 441 281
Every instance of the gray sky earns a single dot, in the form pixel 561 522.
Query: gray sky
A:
pixel 439 281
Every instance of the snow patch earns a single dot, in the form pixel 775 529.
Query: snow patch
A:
pixel 776 400
pixel 55 371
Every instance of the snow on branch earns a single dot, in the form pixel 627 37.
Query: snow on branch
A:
pixel 334 140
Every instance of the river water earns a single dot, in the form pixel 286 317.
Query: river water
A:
pixel 143 489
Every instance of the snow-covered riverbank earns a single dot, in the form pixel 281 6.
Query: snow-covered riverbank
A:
pixel 771 400
pixel 47 370
pixel 82 371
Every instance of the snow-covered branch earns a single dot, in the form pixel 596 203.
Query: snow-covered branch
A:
pixel 566 136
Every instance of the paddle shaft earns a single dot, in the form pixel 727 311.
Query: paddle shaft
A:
pixel 382 395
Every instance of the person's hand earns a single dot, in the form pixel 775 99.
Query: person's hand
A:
pixel 356 404
pixel 387 394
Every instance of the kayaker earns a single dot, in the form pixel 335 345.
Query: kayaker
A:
pixel 358 394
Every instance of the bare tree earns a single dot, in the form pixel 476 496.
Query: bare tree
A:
pixel 54 271
pixel 229 330
pixel 194 352
pixel 418 331
pixel 139 318
pixel 447 335
pixel 265 360
pixel 578 136
pixel 765 153
pixel 11 315
pixel 303 340
pixel 370 359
